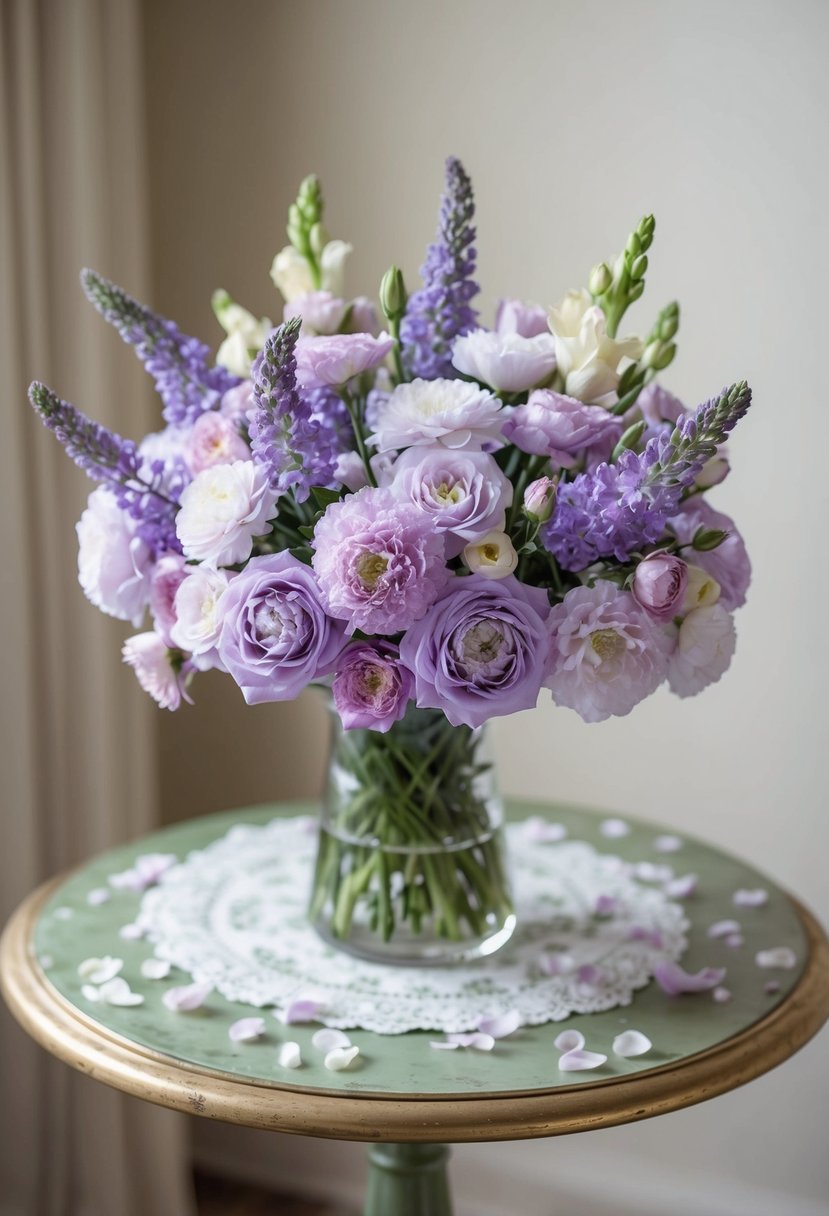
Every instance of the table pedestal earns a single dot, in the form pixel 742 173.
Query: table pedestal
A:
pixel 408 1180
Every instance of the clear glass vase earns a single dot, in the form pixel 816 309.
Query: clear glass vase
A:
pixel 410 867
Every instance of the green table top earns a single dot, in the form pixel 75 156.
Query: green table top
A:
pixel 69 930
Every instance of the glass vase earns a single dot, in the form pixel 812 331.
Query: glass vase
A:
pixel 410 867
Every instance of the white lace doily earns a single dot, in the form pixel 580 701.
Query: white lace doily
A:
pixel 233 915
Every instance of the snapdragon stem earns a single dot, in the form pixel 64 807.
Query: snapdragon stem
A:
pixel 354 413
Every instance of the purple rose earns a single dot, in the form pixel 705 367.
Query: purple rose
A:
pixel 516 317
pixel 332 361
pixel 659 584
pixel 553 425
pixel 481 651
pixel 275 636
pixel 372 687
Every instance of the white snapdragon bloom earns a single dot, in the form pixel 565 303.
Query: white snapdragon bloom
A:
pixel 114 565
pixel 292 276
pixel 705 646
pixel 198 620
pixel 586 356
pixel 244 334
pixel 507 362
pixel 222 509
pixel 492 556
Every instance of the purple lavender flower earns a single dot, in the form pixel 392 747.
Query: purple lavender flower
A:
pixel 380 562
pixel 295 449
pixel 372 687
pixel 181 366
pixel 440 311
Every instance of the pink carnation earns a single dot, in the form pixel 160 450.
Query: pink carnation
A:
pixel 169 573
pixel 607 653
pixel 215 439
pixel 704 649
pixel 156 670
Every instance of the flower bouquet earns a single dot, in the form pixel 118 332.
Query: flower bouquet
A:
pixel 434 522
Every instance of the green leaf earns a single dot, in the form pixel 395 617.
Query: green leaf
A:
pixel 324 497
pixel 303 553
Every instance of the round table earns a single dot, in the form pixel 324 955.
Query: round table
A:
pixel 409 1101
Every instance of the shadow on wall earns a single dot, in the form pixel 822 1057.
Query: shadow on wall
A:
pixel 221 753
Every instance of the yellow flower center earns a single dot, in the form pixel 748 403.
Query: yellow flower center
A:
pixel 370 568
pixel 607 643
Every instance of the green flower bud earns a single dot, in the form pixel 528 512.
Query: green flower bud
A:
pixel 629 439
pixel 668 322
pixel 636 290
pixel 708 538
pixel 393 294
pixel 634 245
pixel 658 355
pixel 639 266
pixel 318 238
pixel 600 279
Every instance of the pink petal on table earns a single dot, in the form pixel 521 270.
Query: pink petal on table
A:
pixel 118 992
pixel 605 905
pixel 638 933
pixel 750 898
pixel 477 1039
pixel 580 1061
pixel 328 1038
pixel 721 995
pixel 302 1010
pixel 683 887
pixel 555 964
pixel 540 831
pixel 187 997
pixel 649 871
pixel 246 1029
pixel 631 1043
pixel 145 872
pixel 98 896
pixel 443 1046
pixel 569 1040
pixel 771 987
pixel 667 844
pixel 777 956
pixel 672 979
pixel 723 928
pixel 500 1025
pixel 614 829
pixel 734 941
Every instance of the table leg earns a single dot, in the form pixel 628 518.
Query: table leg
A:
pixel 408 1180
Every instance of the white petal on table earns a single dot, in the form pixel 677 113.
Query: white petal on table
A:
pixel 329 1039
pixel 118 992
pixel 631 1043
pixel 186 997
pixel 777 956
pixel 501 1024
pixel 155 968
pixel 290 1055
pixel 570 1040
pixel 340 1058
pixel 580 1061
pixel 99 970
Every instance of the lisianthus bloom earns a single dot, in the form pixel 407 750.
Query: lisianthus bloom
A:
pixel 464 493
pixel 321 312
pixel 729 563
pixel 292 275
pixel 160 671
pixel 372 687
pixel 657 406
pixel 586 356
pixel 516 317
pixel 481 651
pixel 507 362
pixel 491 556
pixel 214 439
pixel 659 584
pixel 380 562
pixel 704 649
pixel 197 619
pixel 607 652
pixel 222 510
pixel 275 636
pixel 114 565
pixel 330 362
pixel 168 574
pixel 450 412
pixel 550 424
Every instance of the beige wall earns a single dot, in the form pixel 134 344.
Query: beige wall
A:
pixel 573 119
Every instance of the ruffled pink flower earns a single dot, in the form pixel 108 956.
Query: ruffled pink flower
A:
pixel 659 584
pixel 729 563
pixel 330 362
pixel 704 649
pixel 169 573
pixel 507 362
pixel 380 562
pixel 516 317
pixel 156 670
pixel 215 439
pixel 607 653
pixel 372 688
pixel 550 424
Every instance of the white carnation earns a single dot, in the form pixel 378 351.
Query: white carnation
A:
pixel 114 565
pixel 706 643
pixel 450 412
pixel 222 509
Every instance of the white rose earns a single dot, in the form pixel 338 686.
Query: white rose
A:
pixel 493 556
pixel 198 621
pixel 586 356
pixel 114 565
pixel 222 509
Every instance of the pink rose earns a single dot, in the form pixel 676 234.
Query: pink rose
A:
pixel 659 585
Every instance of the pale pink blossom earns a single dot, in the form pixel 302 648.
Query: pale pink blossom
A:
pixel 215 439
pixel 150 658
pixel 114 565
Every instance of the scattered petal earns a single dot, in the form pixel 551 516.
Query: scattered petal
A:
pixel 46 961
pixel 99 970
pixel 63 913
pixel 302 1010
pixel 340 1057
pixel 540 831
pixel 556 964
pixel 638 933
pixel 569 1040
pixel 328 1039
pixel 501 1024
pixel 734 941
pixel 721 995
pixel 145 872
pixel 751 899
pixel 118 992
pixel 682 888
pixel 649 871
pixel 155 968
pixel 98 896
pixel 477 1039
pixel 724 928
pixel 579 1061
pixel 778 956
pixel 186 997
pixel 131 933
pixel 771 987
pixel 90 992
pixel 614 829
pixel 667 844
pixel 246 1029
pixel 672 979
pixel 631 1043
pixel 443 1046
pixel 605 905
pixel 289 1055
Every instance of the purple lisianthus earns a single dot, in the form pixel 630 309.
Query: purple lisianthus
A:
pixel 372 687
pixel 464 493
pixel 507 362
pixel 380 562
pixel 550 424
pixel 275 635
pixel 729 563
pixel 481 651
pixel 659 583
pixel 607 652
pixel 516 317
pixel 332 361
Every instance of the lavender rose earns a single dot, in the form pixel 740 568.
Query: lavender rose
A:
pixel 659 584
pixel 275 635
pixel 482 650
pixel 372 687
pixel 332 361
pixel 550 424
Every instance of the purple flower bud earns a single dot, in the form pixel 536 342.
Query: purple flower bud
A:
pixel 659 584
pixel 539 499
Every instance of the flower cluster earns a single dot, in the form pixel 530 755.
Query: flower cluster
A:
pixel 442 514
